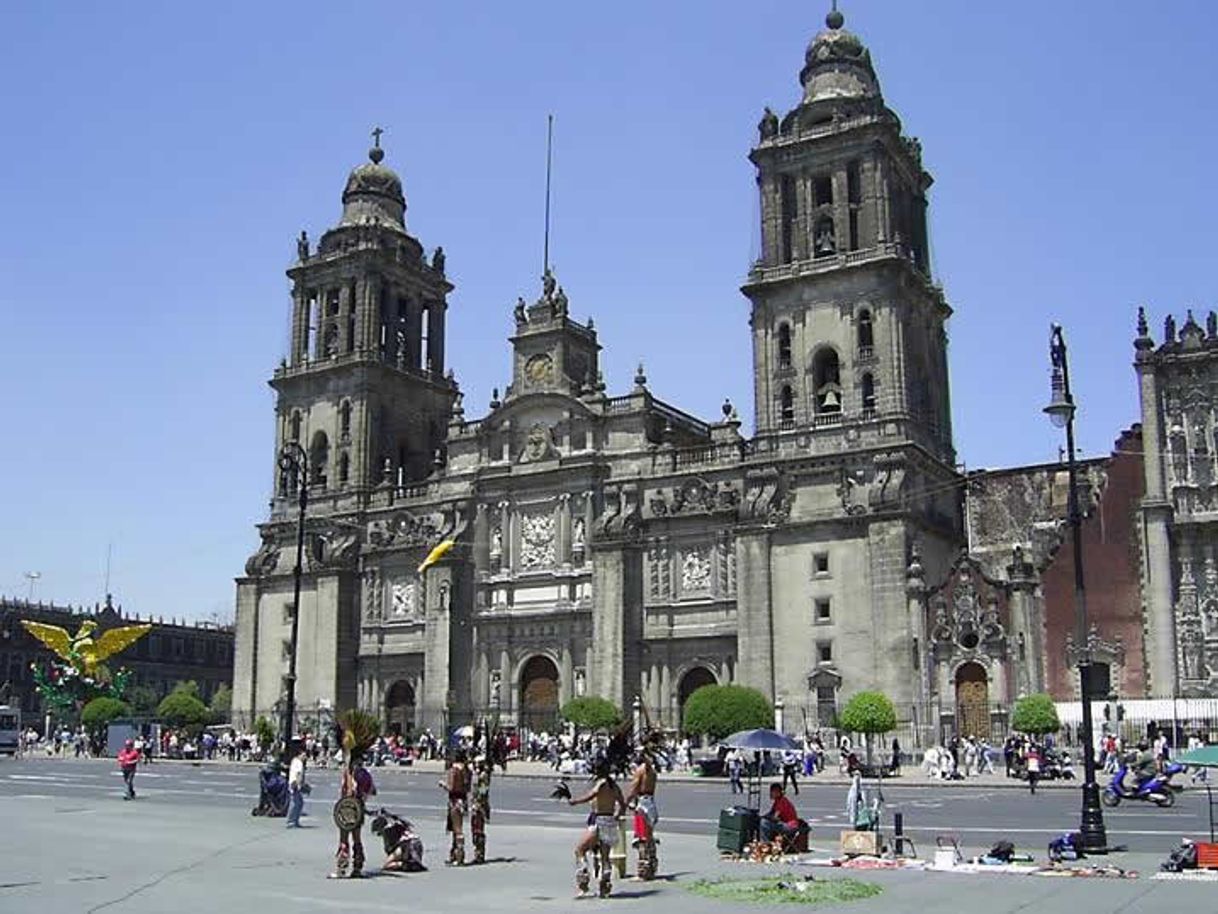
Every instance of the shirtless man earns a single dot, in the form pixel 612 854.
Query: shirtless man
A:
pixel 456 784
pixel 642 794
pixel 608 805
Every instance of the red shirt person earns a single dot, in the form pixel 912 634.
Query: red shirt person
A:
pixel 782 819
pixel 128 760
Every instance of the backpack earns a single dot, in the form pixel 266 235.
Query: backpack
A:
pixel 1182 858
pixel 1003 850
pixel 1066 847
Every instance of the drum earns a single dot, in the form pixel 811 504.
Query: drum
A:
pixel 348 814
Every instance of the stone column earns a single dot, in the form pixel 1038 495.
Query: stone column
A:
pixel 754 612
pixel 435 337
pixel 566 676
pixel 883 231
pixel 1156 518
pixel 346 304
pixel 608 624
pixel 300 323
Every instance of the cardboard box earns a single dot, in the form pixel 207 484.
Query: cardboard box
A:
pixel 858 843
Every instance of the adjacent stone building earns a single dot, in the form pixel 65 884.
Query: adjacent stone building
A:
pixel 1178 383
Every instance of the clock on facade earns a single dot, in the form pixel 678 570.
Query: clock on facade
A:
pixel 539 369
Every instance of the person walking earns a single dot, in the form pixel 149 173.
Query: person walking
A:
pixel 790 768
pixel 735 768
pixel 298 787
pixel 895 766
pixel 1032 764
pixel 128 760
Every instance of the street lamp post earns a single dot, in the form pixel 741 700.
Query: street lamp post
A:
pixel 294 463
pixel 1061 410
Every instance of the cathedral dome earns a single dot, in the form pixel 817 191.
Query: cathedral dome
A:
pixel 837 65
pixel 374 193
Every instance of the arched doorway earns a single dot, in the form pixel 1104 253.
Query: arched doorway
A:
pixel 399 708
pixel 972 701
pixel 694 679
pixel 539 694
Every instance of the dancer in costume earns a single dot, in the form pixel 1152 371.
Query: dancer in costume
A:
pixel 456 783
pixel 403 848
pixel 358 733
pixel 608 806
pixel 642 794
pixel 480 810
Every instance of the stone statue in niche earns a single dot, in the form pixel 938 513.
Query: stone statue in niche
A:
pixel 1192 650
pixel 444 595
pixel 302 245
pixel 581 683
pixel 577 534
pixel 496 542
pixel 496 687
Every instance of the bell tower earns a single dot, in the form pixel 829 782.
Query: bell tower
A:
pixel 364 388
pixel 848 326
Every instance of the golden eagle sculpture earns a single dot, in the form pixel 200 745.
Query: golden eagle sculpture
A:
pixel 82 650
pixel 79 674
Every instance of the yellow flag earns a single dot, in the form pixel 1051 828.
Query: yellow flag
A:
pixel 436 554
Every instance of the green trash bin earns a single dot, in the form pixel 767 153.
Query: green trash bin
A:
pixel 737 827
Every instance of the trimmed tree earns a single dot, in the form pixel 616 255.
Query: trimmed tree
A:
pixel 591 712
pixel 183 710
pixel 720 710
pixel 1035 715
pixel 221 704
pixel 868 713
pixel 98 714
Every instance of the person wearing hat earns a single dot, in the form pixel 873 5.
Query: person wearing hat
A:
pixel 128 761
pixel 456 783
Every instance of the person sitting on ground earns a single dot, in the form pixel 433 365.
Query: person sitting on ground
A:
pixel 782 819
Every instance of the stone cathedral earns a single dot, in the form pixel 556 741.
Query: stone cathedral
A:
pixel 607 542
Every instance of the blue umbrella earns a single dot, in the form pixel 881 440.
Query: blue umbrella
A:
pixel 760 741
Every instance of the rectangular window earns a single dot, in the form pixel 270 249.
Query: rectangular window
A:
pixel 820 563
pixel 822 189
pixel 824 651
pixel 854 229
pixel 853 184
pixel 822 612
pixel 788 216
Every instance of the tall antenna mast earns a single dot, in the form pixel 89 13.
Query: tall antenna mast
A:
pixel 545 257
pixel 109 550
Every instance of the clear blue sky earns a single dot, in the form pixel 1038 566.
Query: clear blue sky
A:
pixel 159 160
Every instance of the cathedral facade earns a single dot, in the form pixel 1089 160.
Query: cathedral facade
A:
pixel 613 544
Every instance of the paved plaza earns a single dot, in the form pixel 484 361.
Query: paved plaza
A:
pixel 69 843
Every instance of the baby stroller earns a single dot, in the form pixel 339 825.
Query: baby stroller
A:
pixel 272 792
pixel 403 848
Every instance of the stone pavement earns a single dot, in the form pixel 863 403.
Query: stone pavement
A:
pixel 89 854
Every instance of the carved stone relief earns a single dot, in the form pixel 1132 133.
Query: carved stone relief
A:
pixel 374 595
pixel 403 600
pixel 695 570
pixel 537 548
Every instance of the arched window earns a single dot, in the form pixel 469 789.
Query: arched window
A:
pixel 344 468
pixel 294 427
pixel 319 457
pixel 344 419
pixel 868 386
pixel 786 412
pixel 826 382
pixel 866 336
pixel 424 335
pixel 784 345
